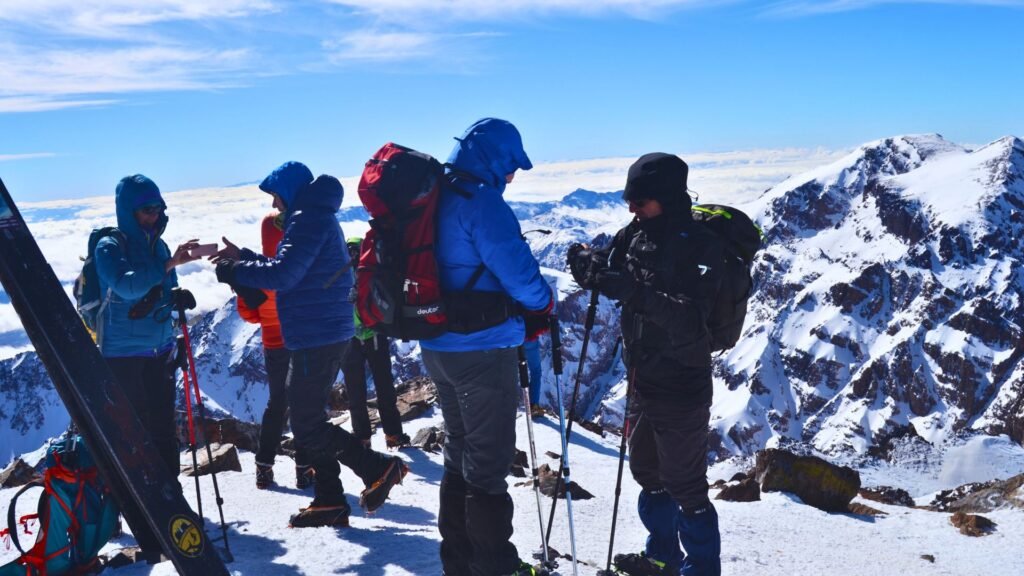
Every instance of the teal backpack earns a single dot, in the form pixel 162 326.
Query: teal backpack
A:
pixel 75 518
pixel 88 299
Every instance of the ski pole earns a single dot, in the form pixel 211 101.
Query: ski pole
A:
pixel 183 364
pixel 556 365
pixel 588 327
pixel 185 300
pixel 630 385
pixel 524 382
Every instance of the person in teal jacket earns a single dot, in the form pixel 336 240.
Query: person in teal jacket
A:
pixel 135 332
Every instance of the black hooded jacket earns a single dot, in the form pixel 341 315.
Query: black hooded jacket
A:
pixel 675 263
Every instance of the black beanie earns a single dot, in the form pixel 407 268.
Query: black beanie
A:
pixel 657 176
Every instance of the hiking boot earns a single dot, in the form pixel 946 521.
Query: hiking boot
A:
pixel 640 565
pixel 397 440
pixel 526 569
pixel 375 494
pixel 536 412
pixel 305 476
pixel 264 476
pixel 316 515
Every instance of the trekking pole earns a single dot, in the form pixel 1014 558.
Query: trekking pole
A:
pixel 556 365
pixel 630 385
pixel 588 327
pixel 183 364
pixel 524 382
pixel 186 301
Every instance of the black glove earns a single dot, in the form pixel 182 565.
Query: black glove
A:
pixel 583 265
pixel 537 324
pixel 616 284
pixel 226 272
pixel 253 297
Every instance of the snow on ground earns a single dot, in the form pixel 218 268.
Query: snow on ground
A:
pixel 776 536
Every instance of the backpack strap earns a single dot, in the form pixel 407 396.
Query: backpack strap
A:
pixel 12 526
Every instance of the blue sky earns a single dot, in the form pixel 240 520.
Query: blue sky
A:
pixel 197 95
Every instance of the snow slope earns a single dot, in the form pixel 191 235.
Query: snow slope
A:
pixel 778 536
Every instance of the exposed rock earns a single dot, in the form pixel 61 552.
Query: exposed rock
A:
pixel 864 510
pixel 928 557
pixel 520 464
pixel 972 524
pixel 18 474
pixel 415 397
pixel 429 439
pixel 887 495
pixel 549 481
pixel 746 490
pixel 122 557
pixel 982 496
pixel 225 457
pixel 818 483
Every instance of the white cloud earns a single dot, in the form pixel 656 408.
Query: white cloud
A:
pixel 31 156
pixel 806 8
pixel 37 80
pixel 414 10
pixel 734 177
pixel 365 45
pixel 106 18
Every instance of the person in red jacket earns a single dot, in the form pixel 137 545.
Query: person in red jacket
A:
pixel 260 307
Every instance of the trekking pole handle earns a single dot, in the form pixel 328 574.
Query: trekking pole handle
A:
pixel 524 370
pixel 556 344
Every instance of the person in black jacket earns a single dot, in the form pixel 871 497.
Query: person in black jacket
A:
pixel 664 269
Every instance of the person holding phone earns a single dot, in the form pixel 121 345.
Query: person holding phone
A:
pixel 136 275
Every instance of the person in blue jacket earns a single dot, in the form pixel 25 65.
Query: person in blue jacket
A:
pixel 136 273
pixel 490 275
pixel 311 273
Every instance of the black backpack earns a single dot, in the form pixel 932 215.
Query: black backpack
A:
pixel 88 298
pixel 741 239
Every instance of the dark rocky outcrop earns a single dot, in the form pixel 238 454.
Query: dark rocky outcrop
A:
pixel 818 483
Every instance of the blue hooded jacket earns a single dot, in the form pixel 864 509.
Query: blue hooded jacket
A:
pixel 127 273
pixel 310 271
pixel 483 229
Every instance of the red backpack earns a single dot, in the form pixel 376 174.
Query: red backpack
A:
pixel 398 288
pixel 397 285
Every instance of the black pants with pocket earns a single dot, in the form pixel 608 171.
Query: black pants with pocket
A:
pixel 276 360
pixel 375 352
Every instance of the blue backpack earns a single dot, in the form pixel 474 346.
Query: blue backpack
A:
pixel 88 299
pixel 75 518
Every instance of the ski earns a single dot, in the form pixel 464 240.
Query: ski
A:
pixel 148 494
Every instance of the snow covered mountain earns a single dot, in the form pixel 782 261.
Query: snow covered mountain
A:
pixel 888 305
pixel 889 302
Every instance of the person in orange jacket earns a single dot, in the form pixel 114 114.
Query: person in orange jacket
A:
pixel 260 307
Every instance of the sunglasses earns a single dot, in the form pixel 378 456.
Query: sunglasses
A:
pixel 639 203
pixel 151 210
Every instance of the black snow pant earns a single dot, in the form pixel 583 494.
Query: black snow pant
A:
pixel 479 394
pixel 311 375
pixel 668 448
pixel 276 361
pixel 376 352
pixel 151 385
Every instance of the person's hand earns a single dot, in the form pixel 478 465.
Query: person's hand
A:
pixel 229 252
pixel 578 259
pixel 226 272
pixel 616 284
pixel 182 255
pixel 253 297
pixel 537 324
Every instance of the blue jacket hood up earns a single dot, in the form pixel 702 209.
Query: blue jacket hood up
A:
pixel 490 149
pixel 286 181
pixel 134 192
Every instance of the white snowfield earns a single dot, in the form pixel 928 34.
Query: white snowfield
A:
pixel 777 536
